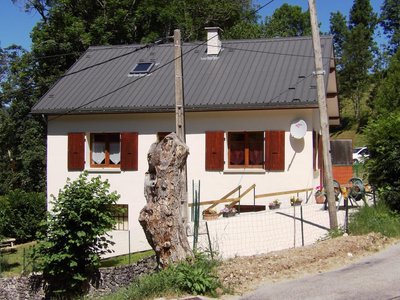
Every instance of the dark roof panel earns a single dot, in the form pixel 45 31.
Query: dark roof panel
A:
pixel 247 74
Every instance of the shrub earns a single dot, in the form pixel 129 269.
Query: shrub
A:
pixel 375 219
pixel 76 236
pixel 383 141
pixel 197 276
pixel 194 276
pixel 21 214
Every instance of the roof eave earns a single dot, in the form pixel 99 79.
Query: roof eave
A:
pixel 166 109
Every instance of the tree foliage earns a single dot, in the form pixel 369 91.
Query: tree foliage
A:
pixel 387 97
pixel 288 20
pixel 338 28
pixel 22 136
pixel 390 21
pixel 383 140
pixel 358 47
pixel 76 236
pixel 21 214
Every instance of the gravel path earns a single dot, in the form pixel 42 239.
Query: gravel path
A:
pixel 243 274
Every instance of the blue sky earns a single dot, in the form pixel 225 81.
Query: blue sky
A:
pixel 16 25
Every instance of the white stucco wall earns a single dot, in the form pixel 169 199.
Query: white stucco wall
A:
pixel 298 172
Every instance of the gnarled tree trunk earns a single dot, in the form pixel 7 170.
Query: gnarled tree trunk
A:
pixel 164 189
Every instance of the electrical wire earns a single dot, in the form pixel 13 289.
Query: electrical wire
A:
pixel 125 85
pixel 94 65
pixel 261 7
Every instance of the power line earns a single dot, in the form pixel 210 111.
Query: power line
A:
pixel 259 51
pixel 261 7
pixel 125 85
pixel 94 65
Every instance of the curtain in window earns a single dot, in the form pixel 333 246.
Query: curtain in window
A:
pixel 99 153
pixel 115 153
pixel 256 156
pixel 237 155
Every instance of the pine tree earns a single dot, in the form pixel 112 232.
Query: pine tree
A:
pixel 357 57
pixel 390 21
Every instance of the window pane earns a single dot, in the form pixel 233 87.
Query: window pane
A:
pixel 99 153
pixel 256 145
pixel 236 148
pixel 115 153
pixel 121 219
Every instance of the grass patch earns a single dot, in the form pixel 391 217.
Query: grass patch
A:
pixel 375 219
pixel 360 171
pixel 196 276
pixel 124 259
pixel 13 261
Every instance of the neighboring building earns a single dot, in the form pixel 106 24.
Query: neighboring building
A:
pixel 241 98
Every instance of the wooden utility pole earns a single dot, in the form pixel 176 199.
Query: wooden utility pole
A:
pixel 180 112
pixel 323 115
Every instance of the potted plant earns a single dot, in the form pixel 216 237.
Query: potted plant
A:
pixel 274 204
pixel 319 195
pixel 210 214
pixel 228 211
pixel 295 201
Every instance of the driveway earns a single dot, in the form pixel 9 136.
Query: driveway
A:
pixel 374 277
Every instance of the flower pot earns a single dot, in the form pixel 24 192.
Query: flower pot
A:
pixel 274 206
pixel 209 217
pixel 295 203
pixel 228 214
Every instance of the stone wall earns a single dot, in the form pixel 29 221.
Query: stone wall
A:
pixel 111 279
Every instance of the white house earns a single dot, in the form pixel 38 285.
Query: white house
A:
pixel 241 97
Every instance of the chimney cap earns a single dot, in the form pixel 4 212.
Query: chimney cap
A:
pixel 213 28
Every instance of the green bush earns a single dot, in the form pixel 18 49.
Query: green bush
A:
pixel 383 141
pixel 195 276
pixel 375 219
pixel 76 236
pixel 21 214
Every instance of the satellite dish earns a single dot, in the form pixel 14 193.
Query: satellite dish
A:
pixel 298 129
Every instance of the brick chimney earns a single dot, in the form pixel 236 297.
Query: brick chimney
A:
pixel 213 41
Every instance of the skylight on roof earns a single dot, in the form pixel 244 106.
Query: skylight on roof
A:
pixel 142 68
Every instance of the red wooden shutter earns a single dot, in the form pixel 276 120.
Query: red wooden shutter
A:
pixel 129 151
pixel 76 151
pixel 275 150
pixel 214 151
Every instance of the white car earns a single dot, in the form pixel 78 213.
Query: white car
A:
pixel 360 154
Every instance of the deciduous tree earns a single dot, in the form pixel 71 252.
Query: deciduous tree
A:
pixel 76 236
pixel 288 20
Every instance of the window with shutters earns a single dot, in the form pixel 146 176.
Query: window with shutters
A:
pixel 245 149
pixel 121 218
pixel 105 150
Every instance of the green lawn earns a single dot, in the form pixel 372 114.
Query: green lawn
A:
pixel 14 260
pixel 125 260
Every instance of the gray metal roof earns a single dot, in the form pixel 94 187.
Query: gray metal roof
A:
pixel 248 74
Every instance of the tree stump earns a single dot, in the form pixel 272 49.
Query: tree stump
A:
pixel 164 189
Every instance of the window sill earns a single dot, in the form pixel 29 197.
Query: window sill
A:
pixel 244 171
pixel 103 170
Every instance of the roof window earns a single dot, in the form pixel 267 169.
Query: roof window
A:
pixel 142 68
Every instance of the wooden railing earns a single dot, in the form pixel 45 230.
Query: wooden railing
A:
pixel 283 193
pixel 233 201
pixel 224 199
